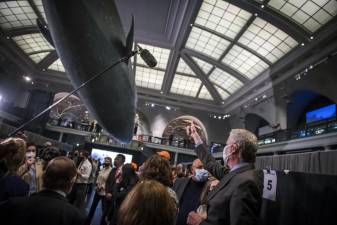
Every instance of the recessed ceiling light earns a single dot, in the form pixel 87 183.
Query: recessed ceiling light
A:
pixel 302 44
pixel 255 14
pixel 152 105
pixel 262 6
pixel 312 38
pixel 161 92
pixel 168 107
pixel 27 78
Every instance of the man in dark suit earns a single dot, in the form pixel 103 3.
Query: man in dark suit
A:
pixel 189 191
pixel 114 178
pixel 50 205
pixel 237 198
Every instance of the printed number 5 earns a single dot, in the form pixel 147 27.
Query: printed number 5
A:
pixel 269 185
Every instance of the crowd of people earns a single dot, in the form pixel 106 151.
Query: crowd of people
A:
pixel 46 186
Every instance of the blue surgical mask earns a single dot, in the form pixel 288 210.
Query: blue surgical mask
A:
pixel 201 175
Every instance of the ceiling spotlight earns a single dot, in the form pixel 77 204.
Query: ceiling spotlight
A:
pixel 27 78
pixel 214 116
pixel 262 6
pixel 77 144
pixel 43 69
pixel 297 76
pixel 168 107
pixel 86 111
pixel 161 92
pixel 264 96
pixel 312 38
pixel 0 98
pixel 302 44
pixel 246 106
pixel 222 102
pixel 311 67
pixel 152 105
pixel 255 14
pixel 256 99
pixel 32 82
pixel 219 117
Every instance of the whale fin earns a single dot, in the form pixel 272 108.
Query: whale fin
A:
pixel 45 31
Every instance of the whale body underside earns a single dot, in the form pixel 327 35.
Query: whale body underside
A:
pixel 88 37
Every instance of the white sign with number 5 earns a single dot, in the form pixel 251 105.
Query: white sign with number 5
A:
pixel 269 185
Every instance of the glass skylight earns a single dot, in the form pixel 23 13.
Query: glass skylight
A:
pixel 204 94
pixel 184 68
pixel 161 55
pixel 222 17
pixel 185 85
pixel 244 62
pixel 267 40
pixel 311 14
pixel 206 43
pixel 39 6
pixel 206 67
pixel 149 78
pixel 31 43
pixel 225 80
pixel 57 66
pixel 15 14
pixel 38 56
pixel 224 95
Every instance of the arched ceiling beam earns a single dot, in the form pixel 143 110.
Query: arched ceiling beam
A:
pixel 21 31
pixel 280 21
pixel 192 9
pixel 218 64
pixel 48 60
pixel 202 76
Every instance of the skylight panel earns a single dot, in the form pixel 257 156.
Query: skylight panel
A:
pixel 311 14
pixel 185 85
pixel 244 62
pixel 225 80
pixel 222 17
pixel 160 54
pixel 224 95
pixel 206 43
pixel 57 66
pixel 149 78
pixel 204 94
pixel 205 67
pixel 184 68
pixel 38 56
pixel 39 6
pixel 16 14
pixel 267 40
pixel 30 43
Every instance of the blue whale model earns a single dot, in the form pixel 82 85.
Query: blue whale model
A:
pixel 88 36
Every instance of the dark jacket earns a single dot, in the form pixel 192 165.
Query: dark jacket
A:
pixel 45 207
pixel 237 198
pixel 12 186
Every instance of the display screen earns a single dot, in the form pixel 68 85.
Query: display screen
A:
pixel 323 113
pixel 100 154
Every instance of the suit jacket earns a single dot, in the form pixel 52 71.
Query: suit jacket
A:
pixel 237 199
pixel 45 207
pixel 111 181
pixel 23 173
pixel 180 185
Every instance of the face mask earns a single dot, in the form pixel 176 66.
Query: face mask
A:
pixel 201 175
pixel 31 156
pixel 106 164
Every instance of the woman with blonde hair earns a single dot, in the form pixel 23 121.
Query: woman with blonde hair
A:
pixel 12 154
pixel 148 203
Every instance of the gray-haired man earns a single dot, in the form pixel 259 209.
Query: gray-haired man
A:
pixel 237 198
